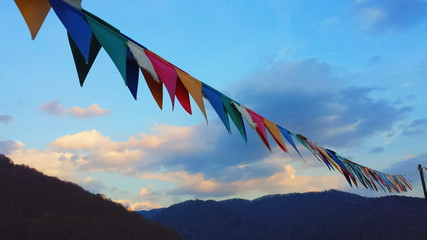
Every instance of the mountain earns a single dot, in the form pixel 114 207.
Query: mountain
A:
pixel 316 215
pixel 35 206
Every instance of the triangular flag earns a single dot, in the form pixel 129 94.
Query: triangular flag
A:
pixel 365 181
pixel 288 137
pixel 183 97
pixel 325 159
pixel 357 173
pixel 274 131
pixel 351 174
pixel 215 98
pixel 296 136
pixel 407 184
pixel 34 13
pixel 113 43
pixel 235 115
pixel 377 179
pixel 402 180
pixel 369 177
pixel 245 114
pixel 166 73
pixel 311 146
pixel 156 88
pixel 75 23
pixel 132 73
pixel 330 160
pixel 347 178
pixel 335 158
pixel 142 59
pixel 194 87
pixel 387 181
pixel 82 66
pixel 147 69
pixel 260 129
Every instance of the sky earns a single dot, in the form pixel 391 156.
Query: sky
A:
pixel 350 75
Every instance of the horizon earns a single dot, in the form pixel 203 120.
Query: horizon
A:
pixel 231 199
pixel 350 76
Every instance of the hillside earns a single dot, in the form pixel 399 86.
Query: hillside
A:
pixel 322 215
pixel 35 206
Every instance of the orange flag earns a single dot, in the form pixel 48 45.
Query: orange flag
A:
pixel 34 13
pixel 156 88
pixel 194 87
pixel 275 132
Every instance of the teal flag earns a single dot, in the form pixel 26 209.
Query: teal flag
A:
pixel 112 41
pixel 235 116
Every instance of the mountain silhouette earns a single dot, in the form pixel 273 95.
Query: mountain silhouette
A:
pixel 35 206
pixel 316 215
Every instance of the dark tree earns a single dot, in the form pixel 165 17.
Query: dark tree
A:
pixel 321 215
pixel 35 206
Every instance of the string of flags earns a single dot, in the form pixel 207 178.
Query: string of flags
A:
pixel 87 34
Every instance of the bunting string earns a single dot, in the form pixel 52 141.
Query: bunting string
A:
pixel 87 34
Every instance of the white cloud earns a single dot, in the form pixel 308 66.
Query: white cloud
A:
pixel 91 111
pixel 146 205
pixel 138 206
pixel 55 108
pixel 58 164
pixel 100 153
pixel 83 140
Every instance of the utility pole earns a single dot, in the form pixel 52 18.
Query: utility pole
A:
pixel 422 181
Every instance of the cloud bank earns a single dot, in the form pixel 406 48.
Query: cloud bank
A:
pixel 306 96
pixel 175 155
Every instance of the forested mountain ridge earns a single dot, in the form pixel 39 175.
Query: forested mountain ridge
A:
pixel 317 215
pixel 36 206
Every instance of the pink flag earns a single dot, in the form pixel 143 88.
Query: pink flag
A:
pixel 260 129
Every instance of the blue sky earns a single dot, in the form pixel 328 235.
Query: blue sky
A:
pixel 350 75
